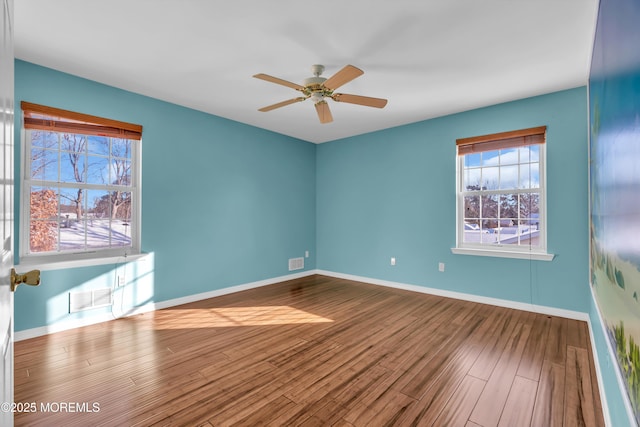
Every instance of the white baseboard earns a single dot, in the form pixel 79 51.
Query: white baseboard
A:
pixel 78 323
pixel 61 326
pixel 542 309
pixel 596 362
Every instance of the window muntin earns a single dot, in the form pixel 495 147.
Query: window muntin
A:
pixel 80 191
pixel 501 194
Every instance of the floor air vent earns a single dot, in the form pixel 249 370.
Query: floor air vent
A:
pixel 296 264
pixel 86 300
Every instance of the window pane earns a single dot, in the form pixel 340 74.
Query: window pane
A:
pixel 508 177
pixel 72 167
pixel 489 224
pixel 471 230
pixel 471 179
pixel 43 236
pixel 488 235
pixel 489 207
pixel 490 178
pixel 121 148
pixel 121 222
pixel 525 176
pixel 535 175
pixel 471 207
pixel 472 233
pixel 509 207
pixel 44 139
pixel 72 234
pixel 43 203
pixel 509 157
pixel 72 204
pixel 74 142
pixel 121 232
pixel 98 170
pixel 530 154
pixel 508 235
pixel 472 160
pixel 121 205
pixel 98 233
pixel 98 204
pixel 44 164
pixel 490 158
pixel 120 172
pixel 522 234
pixel 530 176
pixel 98 145
pixel 529 205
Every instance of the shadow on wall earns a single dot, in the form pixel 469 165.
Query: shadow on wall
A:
pixel 75 297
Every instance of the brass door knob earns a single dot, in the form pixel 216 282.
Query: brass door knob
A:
pixel 31 278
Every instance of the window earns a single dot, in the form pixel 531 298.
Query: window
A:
pixel 501 195
pixel 80 186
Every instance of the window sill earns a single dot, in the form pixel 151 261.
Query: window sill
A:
pixel 59 264
pixel 535 256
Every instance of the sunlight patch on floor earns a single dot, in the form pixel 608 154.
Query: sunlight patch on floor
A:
pixel 236 316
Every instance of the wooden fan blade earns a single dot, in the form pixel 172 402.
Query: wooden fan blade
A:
pixel 281 104
pixel 348 73
pixel 324 114
pixel 276 80
pixel 360 100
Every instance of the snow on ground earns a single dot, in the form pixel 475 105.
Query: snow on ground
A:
pixel 98 234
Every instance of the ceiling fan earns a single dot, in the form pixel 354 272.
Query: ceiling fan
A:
pixel 318 88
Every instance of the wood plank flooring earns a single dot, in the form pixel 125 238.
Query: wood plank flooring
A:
pixel 317 351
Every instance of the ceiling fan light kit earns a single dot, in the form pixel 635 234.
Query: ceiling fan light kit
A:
pixel 318 88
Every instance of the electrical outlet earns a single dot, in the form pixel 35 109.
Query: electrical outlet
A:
pixel 393 260
pixel 441 266
pixel 120 281
pixel 306 254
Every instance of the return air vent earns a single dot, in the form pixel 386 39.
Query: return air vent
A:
pixel 86 300
pixel 296 263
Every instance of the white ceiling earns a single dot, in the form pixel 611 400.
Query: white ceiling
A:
pixel 427 57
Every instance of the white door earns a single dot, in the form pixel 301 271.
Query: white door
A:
pixel 6 212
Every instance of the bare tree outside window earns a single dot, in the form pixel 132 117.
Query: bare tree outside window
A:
pixel 75 147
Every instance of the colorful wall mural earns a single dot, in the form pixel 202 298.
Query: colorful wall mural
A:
pixel 614 99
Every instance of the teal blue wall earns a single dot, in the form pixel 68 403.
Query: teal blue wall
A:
pixel 223 203
pixel 392 194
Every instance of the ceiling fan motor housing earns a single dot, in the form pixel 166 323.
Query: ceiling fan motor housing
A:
pixel 313 85
pixel 312 82
pixel 315 89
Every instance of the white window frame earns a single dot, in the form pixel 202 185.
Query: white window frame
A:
pixel 502 250
pixel 88 256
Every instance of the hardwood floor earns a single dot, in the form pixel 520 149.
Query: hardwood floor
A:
pixel 314 351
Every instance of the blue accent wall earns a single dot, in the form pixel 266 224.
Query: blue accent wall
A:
pixel 223 203
pixel 392 193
